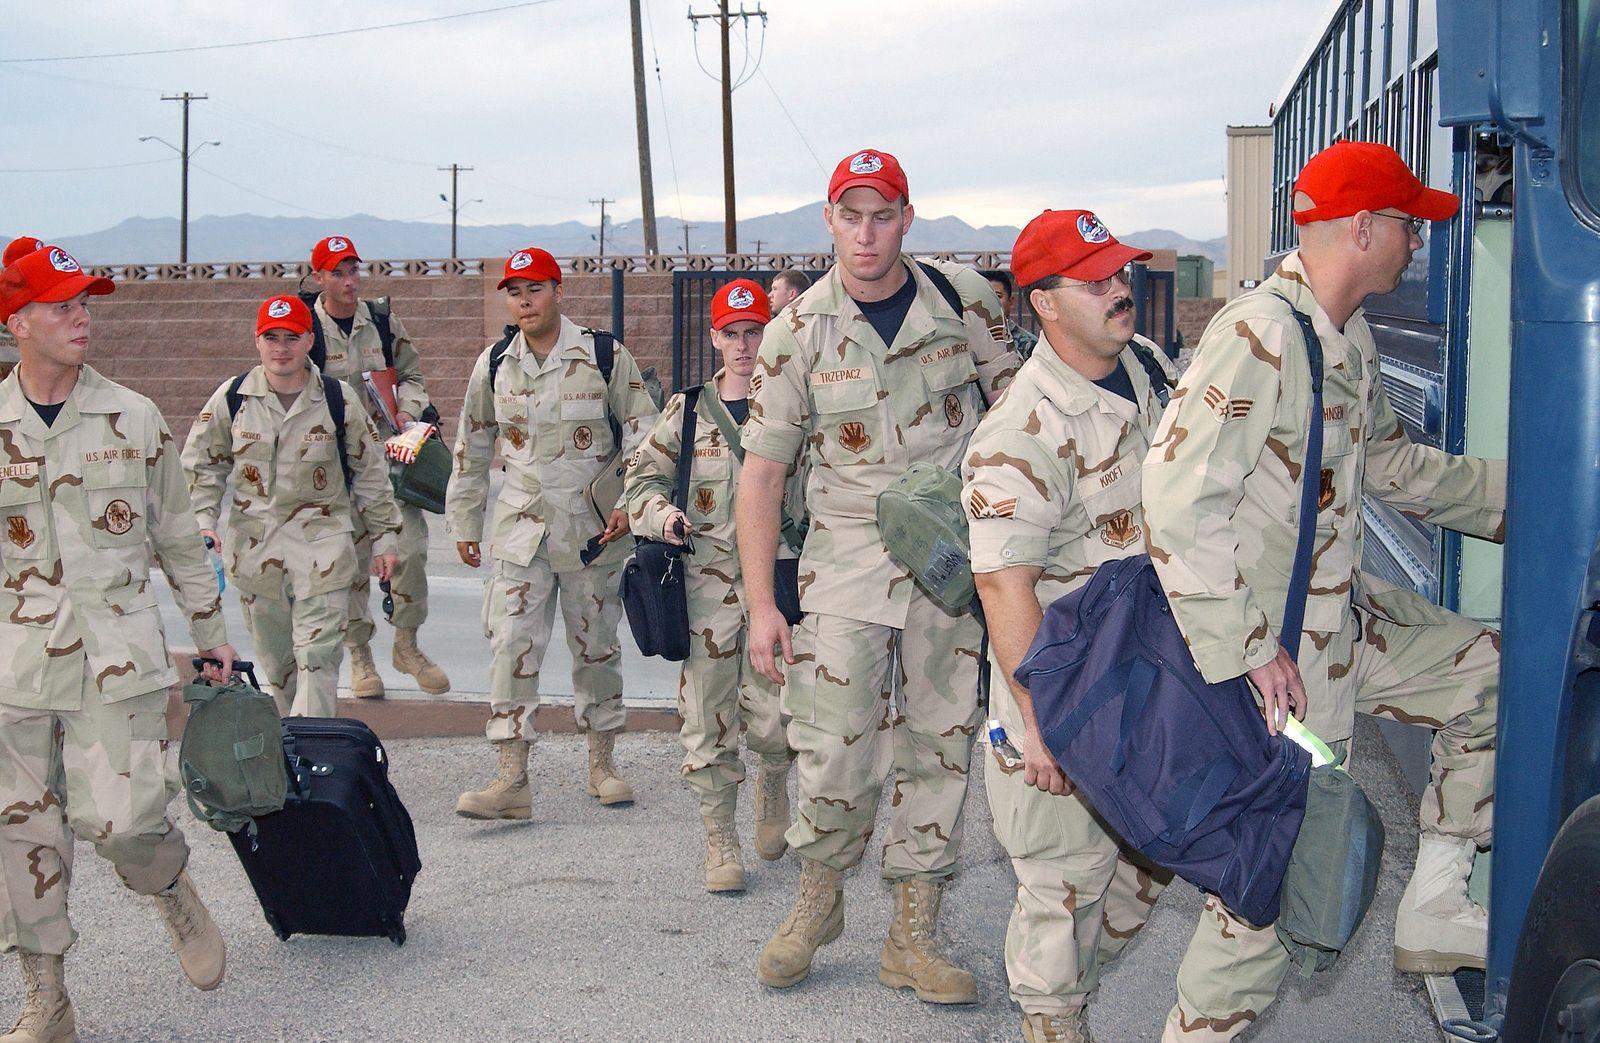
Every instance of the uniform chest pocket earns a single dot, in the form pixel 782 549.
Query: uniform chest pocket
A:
pixel 511 414
pixel 22 511
pixel 1110 498
pixel 710 490
pixel 952 391
pixel 114 497
pixel 585 430
pixel 849 420
pixel 1337 481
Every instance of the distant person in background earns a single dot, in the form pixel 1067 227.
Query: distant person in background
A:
pixel 1024 341
pixel 360 336
pixel 19 248
pixel 786 286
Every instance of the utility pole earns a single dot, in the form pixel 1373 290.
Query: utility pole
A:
pixel 455 207
pixel 723 19
pixel 758 246
pixel 601 203
pixel 183 207
pixel 686 227
pixel 641 117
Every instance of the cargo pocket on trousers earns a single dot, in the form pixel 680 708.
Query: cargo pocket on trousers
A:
pixel 798 696
pixel 151 775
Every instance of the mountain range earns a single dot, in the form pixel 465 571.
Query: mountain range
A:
pixel 248 237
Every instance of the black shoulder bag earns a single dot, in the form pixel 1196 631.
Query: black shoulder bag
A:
pixel 654 591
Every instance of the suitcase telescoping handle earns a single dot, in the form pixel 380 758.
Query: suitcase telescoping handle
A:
pixel 240 666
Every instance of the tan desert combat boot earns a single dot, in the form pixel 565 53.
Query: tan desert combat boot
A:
pixel 911 957
pixel 46 1011
pixel 817 919
pixel 364 680
pixel 772 807
pixel 507 795
pixel 724 864
pixel 1056 1028
pixel 604 782
pixel 194 934
pixel 409 659
pixel 1438 927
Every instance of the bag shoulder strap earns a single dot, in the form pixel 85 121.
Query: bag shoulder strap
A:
pixel 234 398
pixel 333 391
pixel 497 354
pixel 1294 611
pixel 1153 370
pixel 691 403
pixel 788 527
pixel 379 309
pixel 605 357
pixel 946 288
pixel 319 345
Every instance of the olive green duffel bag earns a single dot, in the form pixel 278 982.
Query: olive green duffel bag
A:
pixel 423 482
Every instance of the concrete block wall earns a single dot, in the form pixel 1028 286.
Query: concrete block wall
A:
pixel 176 340
pixel 1192 314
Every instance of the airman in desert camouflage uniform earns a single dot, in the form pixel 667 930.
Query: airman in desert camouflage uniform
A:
pixel 1052 492
pixel 872 369
pixel 89 485
pixel 719 693
pixel 552 413
pixel 291 553
pixel 1222 499
pixel 353 346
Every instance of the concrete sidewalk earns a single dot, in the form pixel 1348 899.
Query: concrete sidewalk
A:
pixel 590 923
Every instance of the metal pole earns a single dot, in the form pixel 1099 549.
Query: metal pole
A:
pixel 601 203
pixel 617 300
pixel 642 120
pixel 183 202
pixel 730 222
pixel 456 170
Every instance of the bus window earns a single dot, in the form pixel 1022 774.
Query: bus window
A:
pixel 1583 116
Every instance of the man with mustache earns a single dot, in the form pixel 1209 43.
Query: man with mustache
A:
pixel 878 365
pixel 719 693
pixel 1223 486
pixel 1052 492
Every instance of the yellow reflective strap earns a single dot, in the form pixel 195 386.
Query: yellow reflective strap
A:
pixel 1301 736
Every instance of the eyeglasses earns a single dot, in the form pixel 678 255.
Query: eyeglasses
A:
pixel 1101 287
pixel 1414 224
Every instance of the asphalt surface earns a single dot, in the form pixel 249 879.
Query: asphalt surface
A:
pixel 590 923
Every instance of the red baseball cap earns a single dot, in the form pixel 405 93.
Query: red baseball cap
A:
pixel 46 275
pixel 873 169
pixel 532 264
pixel 738 301
pixel 329 252
pixel 20 247
pixel 1348 177
pixel 284 312
pixel 1072 243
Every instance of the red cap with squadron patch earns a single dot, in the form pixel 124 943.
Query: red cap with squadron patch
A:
pixel 739 301
pixel 532 264
pixel 285 312
pixel 329 252
pixel 870 168
pixel 20 247
pixel 1348 177
pixel 46 276
pixel 1072 243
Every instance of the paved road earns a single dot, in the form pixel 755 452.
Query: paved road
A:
pixel 589 924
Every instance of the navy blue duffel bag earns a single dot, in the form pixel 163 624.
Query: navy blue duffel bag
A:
pixel 1183 770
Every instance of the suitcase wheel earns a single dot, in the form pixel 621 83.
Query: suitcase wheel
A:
pixel 276 925
pixel 397 932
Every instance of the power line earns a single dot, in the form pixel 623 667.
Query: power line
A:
pixel 666 124
pixel 260 195
pixel 785 110
pixel 76 170
pixel 240 116
pixel 277 39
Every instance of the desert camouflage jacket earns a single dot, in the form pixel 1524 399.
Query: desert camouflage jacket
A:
pixel 291 512
pixel 864 412
pixel 1222 495
pixel 349 357
pixel 84 501
pixel 552 422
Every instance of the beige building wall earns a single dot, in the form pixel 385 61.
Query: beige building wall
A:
pixel 1249 189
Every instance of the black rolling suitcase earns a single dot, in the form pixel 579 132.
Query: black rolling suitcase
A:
pixel 341 855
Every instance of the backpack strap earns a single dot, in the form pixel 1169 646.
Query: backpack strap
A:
pixel 333 391
pixel 497 353
pixel 378 308
pixel 946 288
pixel 788 527
pixel 1294 611
pixel 1153 370
pixel 319 343
pixel 234 398
pixel 680 493
pixel 605 356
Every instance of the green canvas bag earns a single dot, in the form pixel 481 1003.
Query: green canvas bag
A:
pixel 924 529
pixel 231 759
pixel 423 482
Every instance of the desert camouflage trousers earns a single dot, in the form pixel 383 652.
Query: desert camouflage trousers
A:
pixel 298 648
pixel 1081 894
pixel 1444 676
pixel 839 698
pixel 720 693
pixel 101 773
pixel 519 610
pixel 409 585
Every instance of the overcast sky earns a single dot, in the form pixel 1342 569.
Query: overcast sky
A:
pixel 996 109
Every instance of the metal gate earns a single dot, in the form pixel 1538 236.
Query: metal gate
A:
pixel 1154 314
pixel 694 357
